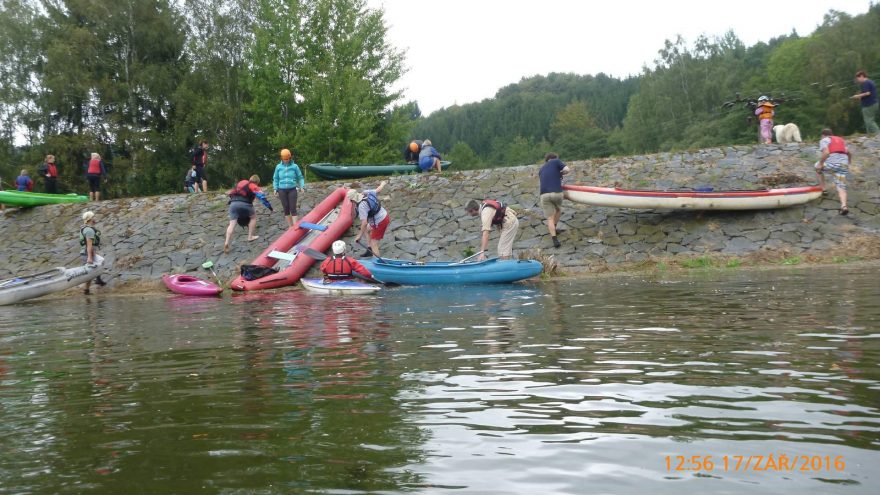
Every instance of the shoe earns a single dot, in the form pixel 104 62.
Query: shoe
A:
pixel 844 210
pixel 367 254
pixel 86 291
pixel 100 282
pixel 556 243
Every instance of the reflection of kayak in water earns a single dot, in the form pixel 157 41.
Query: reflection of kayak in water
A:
pixel 18 289
pixel 338 287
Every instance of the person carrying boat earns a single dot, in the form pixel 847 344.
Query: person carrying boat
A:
pixel 765 114
pixel 95 171
pixel 90 240
pixel 241 208
pixel 429 157
pixel 49 171
pixel 288 178
pixel 834 158
pixel 24 182
pixel 550 176
pixel 341 267
pixel 411 152
pixel 374 217
pixel 496 214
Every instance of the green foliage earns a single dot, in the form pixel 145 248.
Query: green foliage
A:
pixel 463 157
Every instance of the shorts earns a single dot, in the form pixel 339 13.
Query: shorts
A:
pixel 240 209
pixel 838 173
pixel 200 174
pixel 94 182
pixel 551 203
pixel 378 232
pixel 426 163
pixel 288 201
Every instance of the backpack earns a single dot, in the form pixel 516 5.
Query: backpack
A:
pixel 254 272
pixel 372 203
pixel 43 169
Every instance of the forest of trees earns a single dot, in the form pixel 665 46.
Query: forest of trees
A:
pixel 141 81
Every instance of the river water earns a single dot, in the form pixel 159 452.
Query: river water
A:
pixel 730 382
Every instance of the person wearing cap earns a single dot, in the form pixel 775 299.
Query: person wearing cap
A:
pixel 341 267
pixel 374 217
pixel 411 152
pixel 429 157
pixel 90 240
pixel 765 114
pixel 288 178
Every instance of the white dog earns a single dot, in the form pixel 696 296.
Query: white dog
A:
pixel 788 133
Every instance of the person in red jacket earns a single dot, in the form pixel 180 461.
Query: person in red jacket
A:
pixel 49 171
pixel 95 171
pixel 241 208
pixel 341 267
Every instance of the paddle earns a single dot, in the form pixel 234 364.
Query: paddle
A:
pixel 319 256
pixel 368 248
pixel 209 265
pixel 469 257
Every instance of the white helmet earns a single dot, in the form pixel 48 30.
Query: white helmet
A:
pixel 763 98
pixel 338 247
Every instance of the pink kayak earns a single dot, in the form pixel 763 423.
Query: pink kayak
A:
pixel 191 286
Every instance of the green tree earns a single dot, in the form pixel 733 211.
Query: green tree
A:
pixel 574 133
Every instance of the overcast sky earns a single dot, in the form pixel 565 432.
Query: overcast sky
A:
pixel 461 51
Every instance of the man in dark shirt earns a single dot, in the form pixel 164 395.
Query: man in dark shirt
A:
pixel 550 176
pixel 200 160
pixel 868 97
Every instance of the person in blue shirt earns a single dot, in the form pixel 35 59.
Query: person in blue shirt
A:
pixel 24 182
pixel 288 178
pixel 429 157
pixel 550 176
pixel 868 96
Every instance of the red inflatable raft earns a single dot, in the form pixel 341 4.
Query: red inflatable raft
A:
pixel 326 223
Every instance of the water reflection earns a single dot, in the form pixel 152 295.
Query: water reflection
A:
pixel 573 386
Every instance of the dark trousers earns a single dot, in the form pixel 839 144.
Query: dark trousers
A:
pixel 51 185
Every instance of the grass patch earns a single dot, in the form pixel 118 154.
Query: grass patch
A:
pixel 792 260
pixel 846 259
pixel 701 262
pixel 734 264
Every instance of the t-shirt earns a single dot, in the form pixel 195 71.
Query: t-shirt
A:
pixel 488 213
pixel 833 158
pixel 364 210
pixel 551 176
pixel 88 233
pixel 868 86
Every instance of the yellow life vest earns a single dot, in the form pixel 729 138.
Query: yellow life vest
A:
pixel 766 111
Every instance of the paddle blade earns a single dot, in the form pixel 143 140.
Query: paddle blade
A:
pixel 208 265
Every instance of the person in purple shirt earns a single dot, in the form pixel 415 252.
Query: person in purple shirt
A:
pixel 868 96
pixel 550 177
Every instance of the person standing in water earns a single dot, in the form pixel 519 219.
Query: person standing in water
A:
pixel 90 240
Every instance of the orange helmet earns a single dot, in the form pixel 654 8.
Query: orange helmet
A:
pixel 414 147
pixel 285 154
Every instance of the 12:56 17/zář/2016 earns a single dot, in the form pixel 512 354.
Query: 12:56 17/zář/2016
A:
pixel 771 462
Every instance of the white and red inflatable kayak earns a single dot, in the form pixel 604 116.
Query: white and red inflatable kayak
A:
pixel 326 223
pixel 191 286
pixel 762 199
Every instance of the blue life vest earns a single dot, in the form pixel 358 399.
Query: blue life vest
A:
pixel 372 203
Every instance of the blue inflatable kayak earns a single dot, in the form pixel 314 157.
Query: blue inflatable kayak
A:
pixel 491 271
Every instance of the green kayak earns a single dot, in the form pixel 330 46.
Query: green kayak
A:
pixel 21 198
pixel 331 171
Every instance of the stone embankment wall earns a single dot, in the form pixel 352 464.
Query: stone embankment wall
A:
pixel 146 237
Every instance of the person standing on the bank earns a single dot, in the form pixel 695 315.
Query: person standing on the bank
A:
pixel 288 178
pixel 95 171
pixel 550 176
pixel 24 182
pixel 497 214
pixel 374 217
pixel 412 150
pixel 765 113
pixel 199 158
pixel 90 240
pixel 834 158
pixel 870 104
pixel 49 171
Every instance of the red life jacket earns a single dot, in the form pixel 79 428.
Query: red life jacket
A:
pixel 242 192
pixel 94 167
pixel 500 210
pixel 837 145
pixel 339 268
pixel 52 170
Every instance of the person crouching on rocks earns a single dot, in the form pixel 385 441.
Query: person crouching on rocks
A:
pixel 90 240
pixel 341 267
pixel 241 208
pixel 373 216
